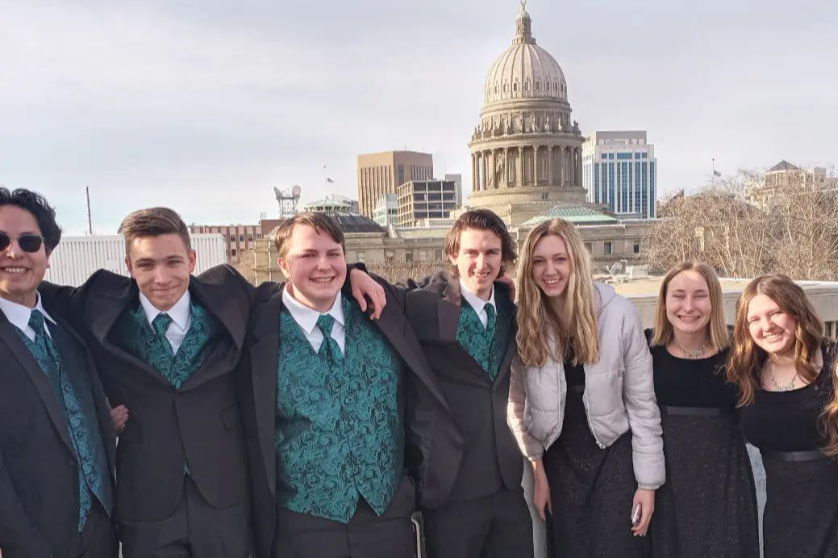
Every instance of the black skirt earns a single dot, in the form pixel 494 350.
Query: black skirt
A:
pixel 592 490
pixel 801 512
pixel 708 506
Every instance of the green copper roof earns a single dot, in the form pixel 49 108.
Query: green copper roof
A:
pixel 577 214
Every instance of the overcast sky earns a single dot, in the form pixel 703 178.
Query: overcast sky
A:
pixel 205 105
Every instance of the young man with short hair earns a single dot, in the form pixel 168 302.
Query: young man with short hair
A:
pixel 337 407
pixel 466 322
pixel 56 438
pixel 168 343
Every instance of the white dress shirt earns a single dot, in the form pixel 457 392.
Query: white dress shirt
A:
pixel 478 303
pixel 180 313
pixel 18 315
pixel 306 318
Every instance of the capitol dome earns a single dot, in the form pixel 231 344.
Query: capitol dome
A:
pixel 525 70
pixel 526 150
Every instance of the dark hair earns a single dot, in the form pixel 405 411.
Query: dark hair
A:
pixel 482 220
pixel 320 222
pixel 154 221
pixel 37 205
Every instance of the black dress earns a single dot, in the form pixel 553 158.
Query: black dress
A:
pixel 801 509
pixel 708 506
pixel 591 488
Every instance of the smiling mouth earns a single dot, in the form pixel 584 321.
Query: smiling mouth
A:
pixel 14 270
pixel 773 337
pixel 322 280
pixel 689 318
pixel 552 282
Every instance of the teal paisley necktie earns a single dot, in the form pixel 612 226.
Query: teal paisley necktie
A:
pixel 48 357
pixel 329 347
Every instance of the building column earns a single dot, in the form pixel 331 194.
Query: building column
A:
pixel 535 165
pixel 506 167
pixel 474 172
pixel 519 164
pixel 561 165
pixel 578 167
pixel 550 164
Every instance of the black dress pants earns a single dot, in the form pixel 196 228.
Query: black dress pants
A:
pixel 194 530
pixel 98 537
pixel 495 526
pixel 367 535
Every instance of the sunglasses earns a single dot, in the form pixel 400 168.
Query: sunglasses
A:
pixel 28 242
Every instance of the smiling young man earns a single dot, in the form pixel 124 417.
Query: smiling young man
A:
pixel 337 407
pixel 167 344
pixel 56 439
pixel 466 323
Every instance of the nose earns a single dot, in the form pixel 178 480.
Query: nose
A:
pixel 481 261
pixel 160 275
pixel 323 263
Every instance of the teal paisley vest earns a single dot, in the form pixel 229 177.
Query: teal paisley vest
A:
pixel 135 335
pixel 484 344
pixel 67 374
pixel 339 424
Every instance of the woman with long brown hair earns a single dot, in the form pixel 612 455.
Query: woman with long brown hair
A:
pixel 582 402
pixel 785 371
pixel 708 505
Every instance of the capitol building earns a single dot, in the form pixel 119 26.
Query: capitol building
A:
pixel 526 166
pixel 526 151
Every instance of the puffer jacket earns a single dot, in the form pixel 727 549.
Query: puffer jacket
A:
pixel 619 393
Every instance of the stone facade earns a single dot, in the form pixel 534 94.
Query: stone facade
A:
pixel 526 149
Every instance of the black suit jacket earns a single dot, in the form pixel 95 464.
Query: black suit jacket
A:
pixel 39 479
pixel 432 438
pixel 491 457
pixel 199 423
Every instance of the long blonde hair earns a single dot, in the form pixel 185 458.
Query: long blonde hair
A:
pixel 576 327
pixel 719 338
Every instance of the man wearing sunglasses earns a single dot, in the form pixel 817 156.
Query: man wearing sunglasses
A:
pixel 56 438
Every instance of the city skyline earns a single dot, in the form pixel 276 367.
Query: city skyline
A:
pixel 206 108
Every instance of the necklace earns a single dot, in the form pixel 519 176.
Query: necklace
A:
pixel 775 385
pixel 691 355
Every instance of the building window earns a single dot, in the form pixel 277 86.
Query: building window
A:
pixel 233 252
pixel 241 238
pixel 232 238
pixel 544 195
pixel 589 246
pixel 423 255
pixel 607 248
pixel 361 257
pixel 250 237
pixel 408 255
pixel 636 246
pixel 389 256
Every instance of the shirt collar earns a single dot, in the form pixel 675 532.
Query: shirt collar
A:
pixel 306 317
pixel 475 301
pixel 18 314
pixel 179 313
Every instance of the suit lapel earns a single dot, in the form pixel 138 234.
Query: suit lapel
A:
pixel 507 327
pixel 107 308
pixel 264 365
pixel 225 309
pixel 99 399
pixel 55 409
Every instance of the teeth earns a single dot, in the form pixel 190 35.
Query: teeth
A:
pixel 773 337
pixel 552 282
pixel 14 269
pixel 322 279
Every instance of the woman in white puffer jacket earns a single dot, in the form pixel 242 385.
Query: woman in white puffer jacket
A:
pixel 582 401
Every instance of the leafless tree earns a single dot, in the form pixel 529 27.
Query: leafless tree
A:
pixel 744 226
